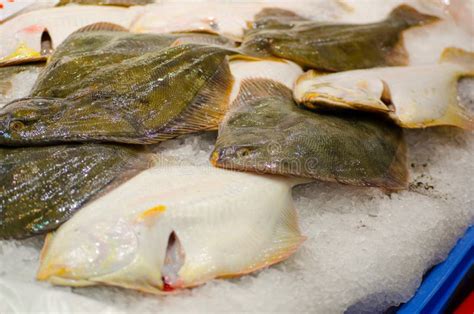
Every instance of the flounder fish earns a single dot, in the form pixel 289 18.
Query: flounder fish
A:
pixel 266 132
pixel 337 47
pixel 22 37
pixel 85 51
pixel 42 187
pixel 145 99
pixel 174 227
pixel 418 96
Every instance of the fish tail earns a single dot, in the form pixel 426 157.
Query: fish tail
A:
pixel 408 16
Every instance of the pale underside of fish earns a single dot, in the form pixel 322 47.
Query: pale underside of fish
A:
pixel 173 227
pixel 146 99
pixel 17 81
pixel 265 132
pixel 230 18
pixel 42 187
pixel 416 97
pixel 21 36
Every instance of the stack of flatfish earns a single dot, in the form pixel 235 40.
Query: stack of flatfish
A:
pixel 77 152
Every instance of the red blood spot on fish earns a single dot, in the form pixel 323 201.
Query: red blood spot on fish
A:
pixel 1 5
pixel 167 287
pixel 33 29
pixel 10 0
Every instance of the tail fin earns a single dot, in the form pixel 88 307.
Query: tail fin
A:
pixel 408 16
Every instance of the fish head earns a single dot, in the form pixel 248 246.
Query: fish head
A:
pixel 31 120
pixel 131 252
pixel 82 254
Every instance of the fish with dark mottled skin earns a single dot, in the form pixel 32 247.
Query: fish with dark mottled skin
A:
pixel 335 47
pixel 267 133
pixel 42 187
pixel 146 99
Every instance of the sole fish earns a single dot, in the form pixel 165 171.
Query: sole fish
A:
pixel 145 99
pixel 338 47
pixel 174 227
pixel 42 187
pixel 24 32
pixel 266 132
pixel 416 97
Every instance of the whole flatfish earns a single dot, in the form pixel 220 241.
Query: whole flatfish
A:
pixel 173 227
pixel 267 133
pixel 42 187
pixel 23 38
pixel 145 99
pixel 337 47
pixel 415 97
pixel 92 47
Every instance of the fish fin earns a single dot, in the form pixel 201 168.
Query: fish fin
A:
pixel 285 242
pixel 396 177
pixel 101 26
pixel 45 248
pixel 174 260
pixel 23 54
pixel 241 57
pixel 410 17
pixel 260 88
pixel 206 110
pixel 459 57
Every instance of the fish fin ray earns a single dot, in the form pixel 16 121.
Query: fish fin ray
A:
pixel 260 88
pixel 101 26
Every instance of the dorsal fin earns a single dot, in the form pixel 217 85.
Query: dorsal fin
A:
pixel 252 89
pixel 101 26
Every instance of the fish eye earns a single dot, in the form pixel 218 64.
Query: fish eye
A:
pixel 16 125
pixel 243 152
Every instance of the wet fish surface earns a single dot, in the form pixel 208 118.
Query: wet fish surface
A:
pixel 145 99
pixel 335 47
pixel 267 133
pixel 174 227
pixel 416 97
pixel 42 187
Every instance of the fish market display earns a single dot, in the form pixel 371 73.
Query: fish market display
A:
pixel 146 99
pixel 415 97
pixel 41 187
pixel 89 49
pixel 267 133
pixel 17 81
pixel 336 47
pixel 173 227
pixel 21 36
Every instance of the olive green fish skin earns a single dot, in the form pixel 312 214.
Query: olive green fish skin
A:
pixel 338 47
pixel 268 133
pixel 141 100
pixel 83 53
pixel 41 187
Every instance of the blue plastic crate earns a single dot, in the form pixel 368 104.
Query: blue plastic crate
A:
pixel 437 288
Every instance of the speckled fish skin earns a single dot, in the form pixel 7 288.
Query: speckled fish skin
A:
pixel 173 227
pixel 146 99
pixel 42 187
pixel 83 53
pixel 268 133
pixel 338 47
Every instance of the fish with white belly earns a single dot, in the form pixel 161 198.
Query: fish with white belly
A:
pixel 174 227
pixel 33 35
pixel 415 97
